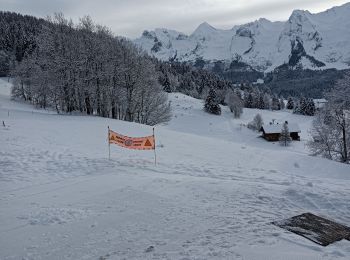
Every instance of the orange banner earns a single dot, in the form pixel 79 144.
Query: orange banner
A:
pixel 138 143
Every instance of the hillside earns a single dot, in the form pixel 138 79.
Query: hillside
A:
pixel 212 195
pixel 306 40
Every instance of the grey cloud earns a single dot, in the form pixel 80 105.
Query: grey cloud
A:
pixel 130 18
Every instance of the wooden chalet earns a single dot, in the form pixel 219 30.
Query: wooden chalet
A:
pixel 272 132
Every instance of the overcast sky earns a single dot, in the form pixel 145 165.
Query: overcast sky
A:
pixel 131 17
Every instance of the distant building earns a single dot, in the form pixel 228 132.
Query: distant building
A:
pixel 272 132
pixel 320 103
pixel 260 81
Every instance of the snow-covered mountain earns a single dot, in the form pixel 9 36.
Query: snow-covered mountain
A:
pixel 316 41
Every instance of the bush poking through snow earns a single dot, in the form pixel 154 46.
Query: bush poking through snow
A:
pixel 257 123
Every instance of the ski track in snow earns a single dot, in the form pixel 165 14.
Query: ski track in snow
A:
pixel 212 195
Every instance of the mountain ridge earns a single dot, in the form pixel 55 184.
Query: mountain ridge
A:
pixel 306 40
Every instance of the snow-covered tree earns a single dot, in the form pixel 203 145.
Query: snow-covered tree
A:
pixel 85 68
pixel 255 96
pixel 275 103
pixel 290 103
pixel 257 123
pixel 261 102
pixel 285 138
pixel 282 105
pixel 235 103
pixel 305 106
pixel 211 104
pixel 310 108
pixel 166 84
pixel 267 101
pixel 331 127
pixel 300 107
pixel 249 100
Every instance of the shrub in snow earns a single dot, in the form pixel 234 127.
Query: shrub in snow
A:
pixel 257 123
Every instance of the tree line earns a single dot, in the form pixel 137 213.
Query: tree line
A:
pixel 214 90
pixel 17 38
pixel 83 67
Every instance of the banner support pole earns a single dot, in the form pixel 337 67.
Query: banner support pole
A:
pixel 109 146
pixel 154 148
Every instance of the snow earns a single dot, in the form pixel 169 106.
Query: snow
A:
pixel 213 194
pixel 277 128
pixel 263 44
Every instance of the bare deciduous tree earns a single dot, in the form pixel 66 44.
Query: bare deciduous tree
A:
pixel 85 68
pixel 331 127
pixel 235 103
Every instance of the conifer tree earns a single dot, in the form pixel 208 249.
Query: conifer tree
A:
pixel 285 138
pixel 302 106
pixel 166 84
pixel 211 104
pixel 261 103
pixel 310 108
pixel 249 101
pixel 275 103
pixel 290 103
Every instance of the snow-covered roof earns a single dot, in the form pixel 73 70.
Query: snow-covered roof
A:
pixel 277 128
pixel 320 103
pixel 320 100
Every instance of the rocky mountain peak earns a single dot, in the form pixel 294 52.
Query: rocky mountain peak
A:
pixel 305 39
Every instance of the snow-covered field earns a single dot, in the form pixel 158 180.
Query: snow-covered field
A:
pixel 213 194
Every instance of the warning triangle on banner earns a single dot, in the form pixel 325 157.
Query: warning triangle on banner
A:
pixel 148 143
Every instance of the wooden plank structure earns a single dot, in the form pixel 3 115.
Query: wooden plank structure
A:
pixel 317 229
pixel 272 132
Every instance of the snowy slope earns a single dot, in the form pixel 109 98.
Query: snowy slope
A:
pixel 216 188
pixel 318 41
